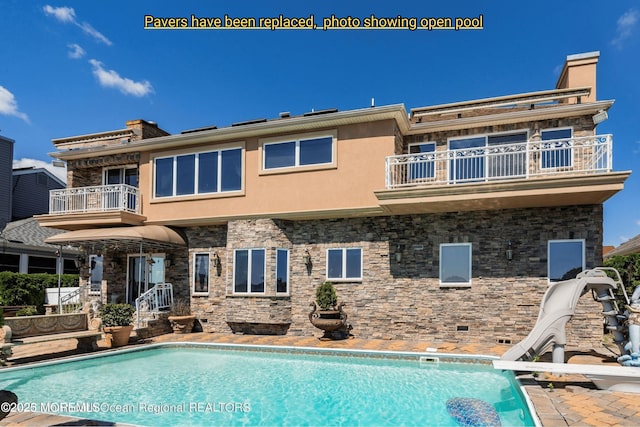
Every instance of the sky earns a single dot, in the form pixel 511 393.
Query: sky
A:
pixel 72 67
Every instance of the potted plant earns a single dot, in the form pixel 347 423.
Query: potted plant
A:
pixel 117 323
pixel 181 318
pixel 327 314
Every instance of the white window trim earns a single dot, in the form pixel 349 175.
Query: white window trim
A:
pixel 288 272
pixel 264 273
pixel 486 137
pixel 193 277
pixel 344 265
pixel 456 284
pixel 218 192
pixel 570 165
pixel 297 138
pixel 120 168
pixel 549 242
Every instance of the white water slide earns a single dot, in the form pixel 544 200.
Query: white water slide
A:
pixel 558 306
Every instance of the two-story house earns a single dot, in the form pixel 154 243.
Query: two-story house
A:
pixel 445 222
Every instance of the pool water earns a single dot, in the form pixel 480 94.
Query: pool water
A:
pixel 228 387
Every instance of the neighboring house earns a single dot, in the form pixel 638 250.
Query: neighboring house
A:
pixel 30 191
pixel 6 160
pixel 447 223
pixel 24 193
pixel 22 249
pixel 631 246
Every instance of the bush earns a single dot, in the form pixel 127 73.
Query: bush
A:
pixel 27 311
pixel 629 268
pixel 326 297
pixel 180 307
pixel 116 314
pixel 29 289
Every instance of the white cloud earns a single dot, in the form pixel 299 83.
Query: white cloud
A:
pixel 87 28
pixel 59 172
pixel 9 105
pixel 68 15
pixel 625 26
pixel 75 51
pixel 62 14
pixel 111 78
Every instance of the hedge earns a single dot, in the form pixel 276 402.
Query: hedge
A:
pixel 629 268
pixel 29 289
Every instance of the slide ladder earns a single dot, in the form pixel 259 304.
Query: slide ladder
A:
pixel 558 307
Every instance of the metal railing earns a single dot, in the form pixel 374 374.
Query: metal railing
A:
pixel 157 298
pixel 99 198
pixel 582 155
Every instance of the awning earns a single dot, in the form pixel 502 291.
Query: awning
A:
pixel 122 238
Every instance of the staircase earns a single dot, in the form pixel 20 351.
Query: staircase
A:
pixel 152 303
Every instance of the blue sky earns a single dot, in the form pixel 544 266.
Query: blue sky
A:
pixel 73 67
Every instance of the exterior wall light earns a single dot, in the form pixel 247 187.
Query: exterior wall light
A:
pixel 306 258
pixel 600 117
pixel 399 250
pixel 509 251
pixel 216 260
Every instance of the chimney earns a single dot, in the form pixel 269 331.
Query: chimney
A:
pixel 579 70
pixel 145 129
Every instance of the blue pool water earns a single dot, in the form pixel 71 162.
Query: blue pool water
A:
pixel 173 385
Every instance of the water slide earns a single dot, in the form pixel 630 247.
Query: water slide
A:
pixel 558 306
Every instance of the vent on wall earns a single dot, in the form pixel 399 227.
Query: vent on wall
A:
pixel 503 340
pixel 463 328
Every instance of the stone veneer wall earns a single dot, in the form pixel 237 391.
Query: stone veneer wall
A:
pixel 403 300
pixel 88 172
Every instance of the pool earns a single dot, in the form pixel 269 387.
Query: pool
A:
pixel 233 385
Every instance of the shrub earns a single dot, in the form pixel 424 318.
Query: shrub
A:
pixel 180 307
pixel 27 311
pixel 116 314
pixel 28 289
pixel 326 297
pixel 629 268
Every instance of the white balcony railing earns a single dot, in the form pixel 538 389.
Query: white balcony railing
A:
pixel 100 198
pixel 583 155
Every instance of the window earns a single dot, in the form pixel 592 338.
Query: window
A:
pixel 96 263
pixel 298 152
pixel 467 165
pixel 201 273
pixel 127 175
pixel 455 264
pixel 495 156
pixel 282 271
pixel 42 265
pixel 198 173
pixel 558 151
pixel 344 264
pixel 422 164
pixel 10 262
pixel 565 259
pixel 249 271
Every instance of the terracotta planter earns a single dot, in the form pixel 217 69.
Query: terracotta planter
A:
pixel 182 324
pixel 117 336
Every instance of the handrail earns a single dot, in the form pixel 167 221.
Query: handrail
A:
pixel 66 304
pixel 97 198
pixel 523 160
pixel 157 298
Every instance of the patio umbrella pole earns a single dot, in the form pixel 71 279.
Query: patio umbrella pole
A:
pixel 59 279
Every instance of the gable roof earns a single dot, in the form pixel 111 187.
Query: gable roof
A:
pixel 631 246
pixel 28 232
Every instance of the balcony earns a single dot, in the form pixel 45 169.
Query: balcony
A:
pixel 101 205
pixel 586 155
pixel 528 174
